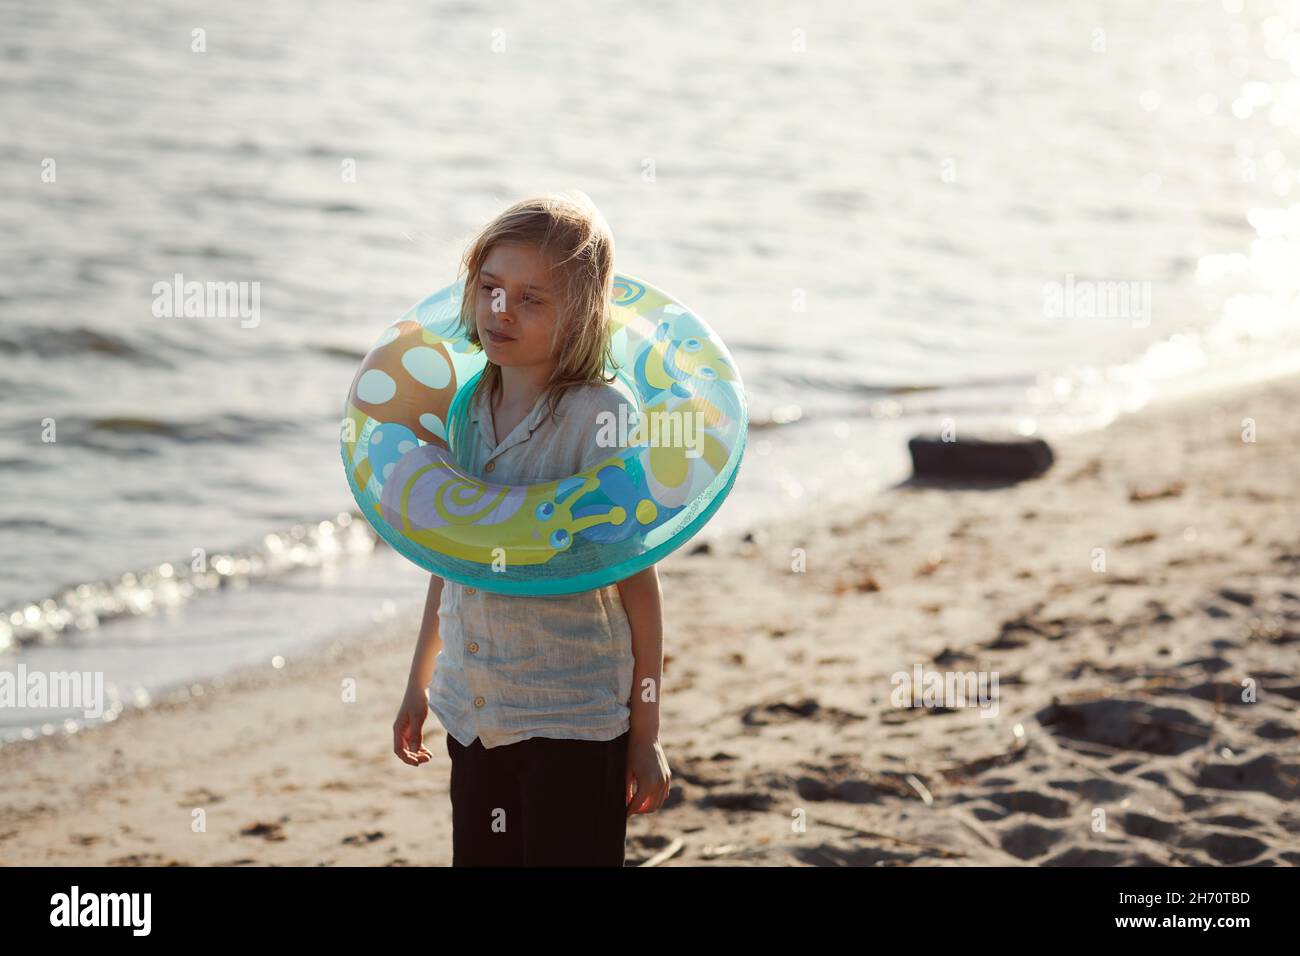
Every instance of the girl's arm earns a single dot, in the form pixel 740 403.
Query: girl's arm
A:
pixel 642 601
pixel 648 777
pixel 429 642
pixel 408 727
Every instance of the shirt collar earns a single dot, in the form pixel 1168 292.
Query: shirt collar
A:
pixel 522 432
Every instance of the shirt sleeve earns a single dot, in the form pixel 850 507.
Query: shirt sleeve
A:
pixel 602 434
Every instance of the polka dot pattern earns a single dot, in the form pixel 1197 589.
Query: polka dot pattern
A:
pixel 376 387
pixel 427 366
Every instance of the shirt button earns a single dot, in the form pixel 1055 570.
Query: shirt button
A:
pixel 469 590
pixel 473 647
pixel 489 466
pixel 479 702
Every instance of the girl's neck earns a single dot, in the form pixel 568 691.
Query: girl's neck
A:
pixel 521 385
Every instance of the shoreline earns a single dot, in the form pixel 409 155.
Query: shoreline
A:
pixel 194 613
pixel 1118 696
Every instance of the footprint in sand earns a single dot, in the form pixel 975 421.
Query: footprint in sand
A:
pixel 1230 848
pixel 1094 856
pixel 1272 730
pixel 1120 724
pixel 270 831
pixel 851 789
pixel 783 712
pixel 1029 801
pixel 1029 840
pixel 1266 774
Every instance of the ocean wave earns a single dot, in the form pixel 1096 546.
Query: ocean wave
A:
pixel 85 606
pixel 79 340
pixel 231 428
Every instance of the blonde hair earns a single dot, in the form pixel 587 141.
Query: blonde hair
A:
pixel 568 229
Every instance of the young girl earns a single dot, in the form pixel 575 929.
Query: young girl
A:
pixel 551 750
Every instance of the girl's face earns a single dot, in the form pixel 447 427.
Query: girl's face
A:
pixel 516 299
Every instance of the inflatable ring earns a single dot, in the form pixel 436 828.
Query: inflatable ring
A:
pixel 555 537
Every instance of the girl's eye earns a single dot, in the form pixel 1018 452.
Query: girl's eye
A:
pixel 487 287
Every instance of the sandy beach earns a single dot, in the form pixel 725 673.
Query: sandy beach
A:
pixel 1126 600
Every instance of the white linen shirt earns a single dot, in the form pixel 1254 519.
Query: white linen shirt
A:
pixel 513 667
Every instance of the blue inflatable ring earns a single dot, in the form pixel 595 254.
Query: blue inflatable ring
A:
pixel 556 537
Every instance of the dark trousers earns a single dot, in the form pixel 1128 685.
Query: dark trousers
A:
pixel 539 802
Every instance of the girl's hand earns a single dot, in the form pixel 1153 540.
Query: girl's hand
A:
pixel 408 728
pixel 648 777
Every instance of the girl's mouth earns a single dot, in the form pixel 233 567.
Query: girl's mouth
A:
pixel 498 338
